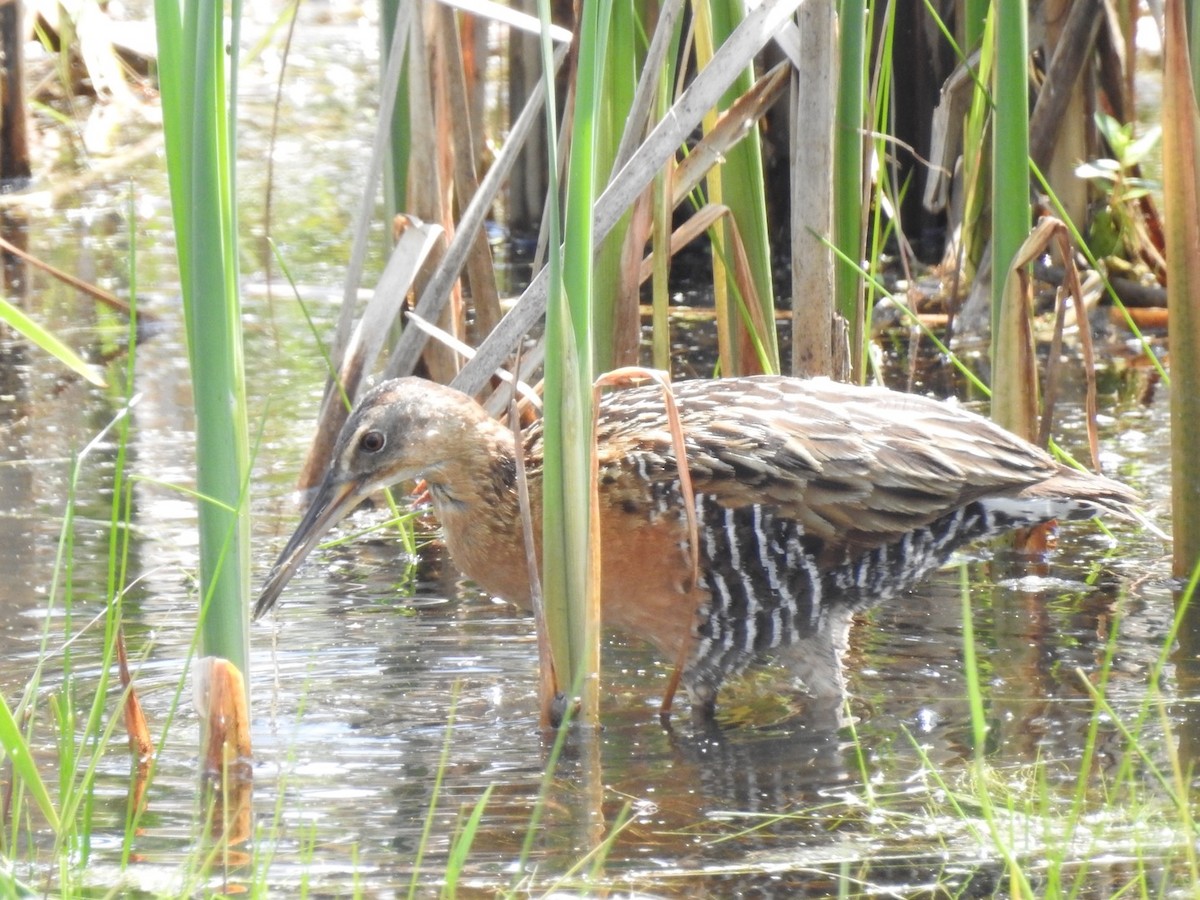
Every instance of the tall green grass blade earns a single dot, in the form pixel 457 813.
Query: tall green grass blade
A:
pixel 11 887
pixel 434 794
pixel 553 572
pixel 318 342
pixel 883 191
pixel 78 764
pixel 568 569
pixel 463 841
pixel 661 212
pixel 48 342
pixel 549 774
pixel 62 710
pixel 742 190
pixel 1018 883
pixel 977 157
pixel 395 173
pixel 848 176
pixel 705 40
pixel 176 67
pixel 1010 150
pixel 616 328
pixel 578 340
pixel 21 759
pixel 974 14
pixel 198 96
pixel 593 860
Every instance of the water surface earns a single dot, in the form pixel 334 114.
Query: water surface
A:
pixel 377 667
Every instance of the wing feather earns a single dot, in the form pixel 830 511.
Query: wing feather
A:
pixel 856 465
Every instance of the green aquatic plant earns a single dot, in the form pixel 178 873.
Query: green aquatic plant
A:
pixel 1113 230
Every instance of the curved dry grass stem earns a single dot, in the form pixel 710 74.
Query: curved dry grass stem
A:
pixel 1065 251
pixel 107 298
pixel 548 684
pixel 1051 232
pixel 631 375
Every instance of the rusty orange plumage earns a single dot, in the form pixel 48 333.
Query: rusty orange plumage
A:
pixel 813 499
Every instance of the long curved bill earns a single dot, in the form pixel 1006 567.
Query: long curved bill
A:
pixel 333 501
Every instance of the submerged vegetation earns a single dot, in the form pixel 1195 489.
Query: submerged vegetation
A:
pixel 1056 760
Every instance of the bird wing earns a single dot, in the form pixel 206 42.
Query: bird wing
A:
pixel 855 466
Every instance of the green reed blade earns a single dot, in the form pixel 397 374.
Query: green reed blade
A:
pixel 21 760
pixel 198 82
pixel 1010 149
pixel 48 342
pixel 848 175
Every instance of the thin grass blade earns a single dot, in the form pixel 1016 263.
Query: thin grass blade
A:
pixel 21 760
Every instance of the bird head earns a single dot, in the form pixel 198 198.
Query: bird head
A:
pixel 403 429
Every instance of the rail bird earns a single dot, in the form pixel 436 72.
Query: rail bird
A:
pixel 813 500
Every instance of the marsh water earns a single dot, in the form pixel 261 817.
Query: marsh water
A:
pixel 389 696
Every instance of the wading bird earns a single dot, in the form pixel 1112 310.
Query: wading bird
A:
pixel 812 499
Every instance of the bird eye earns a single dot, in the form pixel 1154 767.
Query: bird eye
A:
pixel 372 441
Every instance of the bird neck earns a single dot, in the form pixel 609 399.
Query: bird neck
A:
pixel 475 497
pixel 481 471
